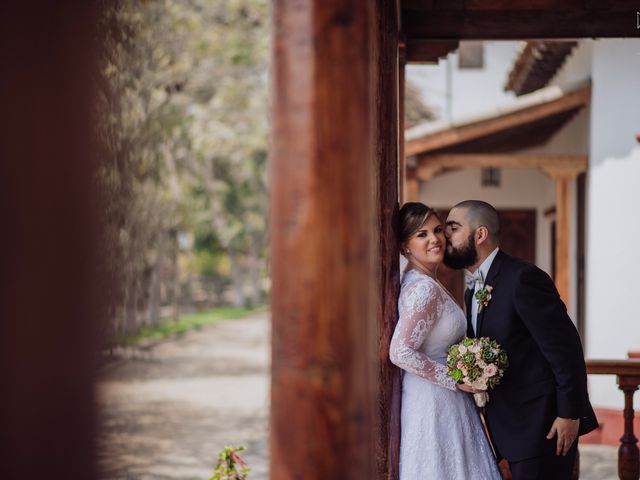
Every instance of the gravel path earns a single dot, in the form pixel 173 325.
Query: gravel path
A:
pixel 167 411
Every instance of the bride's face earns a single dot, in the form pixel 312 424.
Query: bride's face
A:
pixel 426 246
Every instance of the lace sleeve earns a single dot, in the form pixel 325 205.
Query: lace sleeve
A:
pixel 419 309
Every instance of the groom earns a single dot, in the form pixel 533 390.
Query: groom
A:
pixel 536 413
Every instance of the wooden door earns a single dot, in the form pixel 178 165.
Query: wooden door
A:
pixel 517 238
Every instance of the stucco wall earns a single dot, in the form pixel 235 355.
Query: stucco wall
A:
pixel 613 227
pixel 472 91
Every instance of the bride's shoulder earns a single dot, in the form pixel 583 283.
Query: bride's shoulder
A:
pixel 413 276
pixel 418 286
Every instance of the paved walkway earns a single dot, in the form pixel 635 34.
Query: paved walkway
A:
pixel 168 411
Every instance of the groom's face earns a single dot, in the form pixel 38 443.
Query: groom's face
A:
pixel 461 249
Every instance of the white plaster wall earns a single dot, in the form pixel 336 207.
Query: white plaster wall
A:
pixel 613 226
pixel 520 188
pixel 473 91
pixel 615 118
pixel 571 139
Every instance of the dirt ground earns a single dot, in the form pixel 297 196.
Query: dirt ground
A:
pixel 167 411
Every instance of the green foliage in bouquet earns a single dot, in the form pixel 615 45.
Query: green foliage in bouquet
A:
pixel 228 462
pixel 478 362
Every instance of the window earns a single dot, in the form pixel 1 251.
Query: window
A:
pixel 491 177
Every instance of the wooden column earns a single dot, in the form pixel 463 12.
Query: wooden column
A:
pixel 412 186
pixel 325 239
pixel 388 137
pixel 628 377
pixel 49 267
pixel 628 455
pixel 563 176
pixel 562 237
pixel 402 87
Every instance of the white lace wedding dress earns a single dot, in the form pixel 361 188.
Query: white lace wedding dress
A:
pixel 441 434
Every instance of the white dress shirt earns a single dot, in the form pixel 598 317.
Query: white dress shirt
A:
pixel 484 271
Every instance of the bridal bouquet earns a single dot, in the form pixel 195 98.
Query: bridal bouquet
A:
pixel 479 363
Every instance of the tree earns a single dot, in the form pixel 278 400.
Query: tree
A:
pixel 415 110
pixel 183 126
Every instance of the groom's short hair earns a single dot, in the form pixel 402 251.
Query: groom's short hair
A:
pixel 480 214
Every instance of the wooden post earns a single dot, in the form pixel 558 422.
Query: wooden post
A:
pixel 562 237
pixel 402 87
pixel 412 186
pixel 628 377
pixel 563 175
pixel 49 272
pixel 388 137
pixel 325 242
pixel 628 455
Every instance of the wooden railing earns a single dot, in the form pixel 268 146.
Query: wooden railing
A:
pixel 627 373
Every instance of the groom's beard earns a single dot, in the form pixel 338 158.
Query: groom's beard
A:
pixel 462 257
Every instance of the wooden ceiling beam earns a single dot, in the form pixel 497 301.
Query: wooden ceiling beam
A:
pixel 473 23
pixel 429 51
pixel 529 5
pixel 553 165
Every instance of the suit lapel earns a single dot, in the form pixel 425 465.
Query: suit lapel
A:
pixel 494 270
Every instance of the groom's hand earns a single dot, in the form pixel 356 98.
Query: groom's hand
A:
pixel 567 430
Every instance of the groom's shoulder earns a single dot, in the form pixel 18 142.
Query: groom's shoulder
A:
pixel 518 266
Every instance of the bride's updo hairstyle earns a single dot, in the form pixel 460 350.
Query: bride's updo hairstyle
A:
pixel 411 217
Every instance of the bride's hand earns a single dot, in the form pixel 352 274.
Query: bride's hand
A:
pixel 468 389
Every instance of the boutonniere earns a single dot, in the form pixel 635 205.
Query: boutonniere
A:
pixel 483 296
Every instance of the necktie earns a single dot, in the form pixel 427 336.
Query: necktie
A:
pixel 473 281
pixel 468 298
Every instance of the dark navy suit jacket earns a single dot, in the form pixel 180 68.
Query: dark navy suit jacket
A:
pixel 546 377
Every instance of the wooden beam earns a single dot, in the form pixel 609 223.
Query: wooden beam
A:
pixel 402 170
pixel 567 168
pixel 563 184
pixel 388 81
pixel 529 5
pixel 481 128
pixel 563 176
pixel 493 5
pixel 429 51
pixel 325 241
pixel 508 23
pixel 413 187
pixel 552 165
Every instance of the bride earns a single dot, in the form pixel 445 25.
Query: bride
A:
pixel 441 433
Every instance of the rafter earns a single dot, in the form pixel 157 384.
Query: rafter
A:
pixel 553 165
